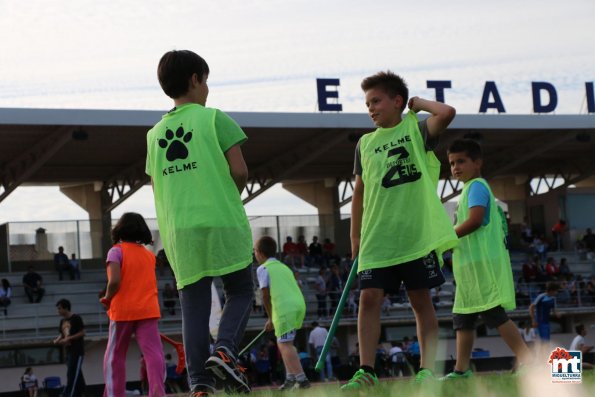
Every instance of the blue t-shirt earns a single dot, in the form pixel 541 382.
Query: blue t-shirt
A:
pixel 543 306
pixel 479 196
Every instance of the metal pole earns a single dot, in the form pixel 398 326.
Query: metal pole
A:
pixel 252 342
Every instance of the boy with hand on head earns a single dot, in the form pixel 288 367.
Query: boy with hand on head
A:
pixel 285 306
pixel 198 171
pixel 399 227
pixel 481 264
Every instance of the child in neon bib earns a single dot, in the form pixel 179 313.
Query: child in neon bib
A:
pixel 285 306
pixel 481 264
pixel 399 227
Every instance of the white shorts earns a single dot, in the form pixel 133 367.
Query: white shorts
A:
pixel 287 337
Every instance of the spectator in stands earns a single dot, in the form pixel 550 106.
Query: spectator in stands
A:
pixel 579 344
pixel 539 247
pixel 170 297
pixel 334 287
pixel 351 302
pixel 32 282
pixel 551 269
pixel 132 304
pixel 564 293
pixel 29 382
pixel 321 293
pixel 62 264
pixel 541 308
pixel 5 295
pixel 328 252
pixel 590 292
pixel 521 291
pixel 291 254
pixel 589 240
pixel 564 269
pixel 162 261
pixel 414 353
pixel 526 231
pixel 72 337
pixel 316 341
pixel 315 252
pixel 380 360
pixel 397 359
pixel 302 249
pixel 529 272
pixel 75 266
pixel 334 352
pixel 558 231
pixel 263 367
pixel 528 333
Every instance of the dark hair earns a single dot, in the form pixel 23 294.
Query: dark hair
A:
pixel 390 83
pixel 5 283
pixel 468 146
pixel 267 246
pixel 64 304
pixel 579 328
pixel 133 228
pixel 176 69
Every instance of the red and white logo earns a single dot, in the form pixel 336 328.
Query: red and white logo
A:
pixel 566 366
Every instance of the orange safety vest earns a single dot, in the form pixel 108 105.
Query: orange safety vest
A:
pixel 137 298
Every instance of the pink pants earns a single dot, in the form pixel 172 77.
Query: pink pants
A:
pixel 114 361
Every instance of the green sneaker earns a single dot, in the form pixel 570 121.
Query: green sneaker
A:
pixel 454 375
pixel 425 375
pixel 360 380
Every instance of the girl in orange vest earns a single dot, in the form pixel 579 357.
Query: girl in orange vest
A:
pixel 132 304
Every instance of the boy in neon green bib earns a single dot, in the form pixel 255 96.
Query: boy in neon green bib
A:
pixel 481 264
pixel 198 171
pixel 285 305
pixel 399 227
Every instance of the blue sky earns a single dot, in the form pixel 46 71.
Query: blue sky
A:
pixel 266 56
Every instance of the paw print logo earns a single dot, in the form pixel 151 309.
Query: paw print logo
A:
pixel 177 149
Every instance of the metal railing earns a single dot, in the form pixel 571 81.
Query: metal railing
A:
pixel 40 321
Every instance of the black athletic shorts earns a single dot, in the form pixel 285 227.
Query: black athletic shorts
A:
pixel 493 318
pixel 420 273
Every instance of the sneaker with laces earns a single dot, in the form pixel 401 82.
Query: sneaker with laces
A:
pixel 360 380
pixel 455 375
pixel 305 384
pixel 223 365
pixel 424 375
pixel 288 384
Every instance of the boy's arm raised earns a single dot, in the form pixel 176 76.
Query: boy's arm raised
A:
pixel 237 166
pixel 441 114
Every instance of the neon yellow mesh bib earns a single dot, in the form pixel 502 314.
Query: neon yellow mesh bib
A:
pixel 202 221
pixel 403 217
pixel 287 300
pixel 481 263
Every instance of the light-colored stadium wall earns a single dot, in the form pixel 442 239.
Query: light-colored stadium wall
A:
pixel 92 198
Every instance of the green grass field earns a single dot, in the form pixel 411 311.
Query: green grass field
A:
pixel 492 385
